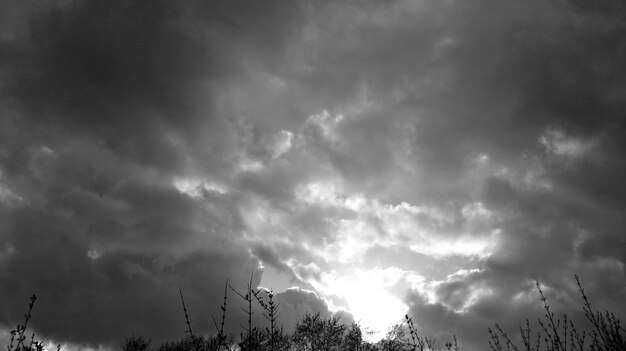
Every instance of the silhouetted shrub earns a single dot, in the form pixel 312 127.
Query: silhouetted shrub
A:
pixel 560 334
pixel 138 343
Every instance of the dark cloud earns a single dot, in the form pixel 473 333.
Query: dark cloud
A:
pixel 455 151
pixel 297 302
pixel 122 72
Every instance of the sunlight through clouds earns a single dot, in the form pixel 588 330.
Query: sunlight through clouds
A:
pixel 369 296
pixel 365 159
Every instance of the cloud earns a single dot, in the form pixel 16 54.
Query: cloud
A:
pixel 456 152
pixel 297 302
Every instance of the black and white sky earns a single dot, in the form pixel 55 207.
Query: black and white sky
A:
pixel 366 158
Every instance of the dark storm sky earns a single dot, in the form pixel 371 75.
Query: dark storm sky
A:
pixel 443 155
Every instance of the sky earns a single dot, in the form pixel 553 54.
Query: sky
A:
pixel 365 159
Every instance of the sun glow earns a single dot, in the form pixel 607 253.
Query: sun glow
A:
pixel 369 297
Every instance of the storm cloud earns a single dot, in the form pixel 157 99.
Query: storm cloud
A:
pixel 439 155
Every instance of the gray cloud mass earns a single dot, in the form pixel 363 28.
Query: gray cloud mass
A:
pixel 440 155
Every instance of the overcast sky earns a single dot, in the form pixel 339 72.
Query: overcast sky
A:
pixel 367 158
